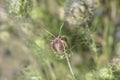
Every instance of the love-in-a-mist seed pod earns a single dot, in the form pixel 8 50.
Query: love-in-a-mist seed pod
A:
pixel 79 13
pixel 59 44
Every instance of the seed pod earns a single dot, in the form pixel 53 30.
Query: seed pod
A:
pixel 59 44
pixel 79 13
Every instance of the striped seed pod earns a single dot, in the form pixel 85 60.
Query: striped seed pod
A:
pixel 59 44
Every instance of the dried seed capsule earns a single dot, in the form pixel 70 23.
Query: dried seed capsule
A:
pixel 59 44
pixel 79 13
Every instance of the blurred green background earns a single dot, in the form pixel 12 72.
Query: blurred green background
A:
pixel 25 41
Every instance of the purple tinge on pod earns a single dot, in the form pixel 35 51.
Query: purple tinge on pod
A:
pixel 59 44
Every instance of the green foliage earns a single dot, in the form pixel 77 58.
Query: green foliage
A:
pixel 20 8
pixel 91 28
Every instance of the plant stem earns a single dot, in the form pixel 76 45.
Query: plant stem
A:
pixel 69 65
pixel 93 45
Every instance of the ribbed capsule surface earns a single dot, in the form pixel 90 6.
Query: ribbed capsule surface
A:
pixel 59 44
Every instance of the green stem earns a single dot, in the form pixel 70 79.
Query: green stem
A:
pixel 69 65
pixel 93 46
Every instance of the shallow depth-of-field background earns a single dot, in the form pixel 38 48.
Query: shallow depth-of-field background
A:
pixel 27 28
